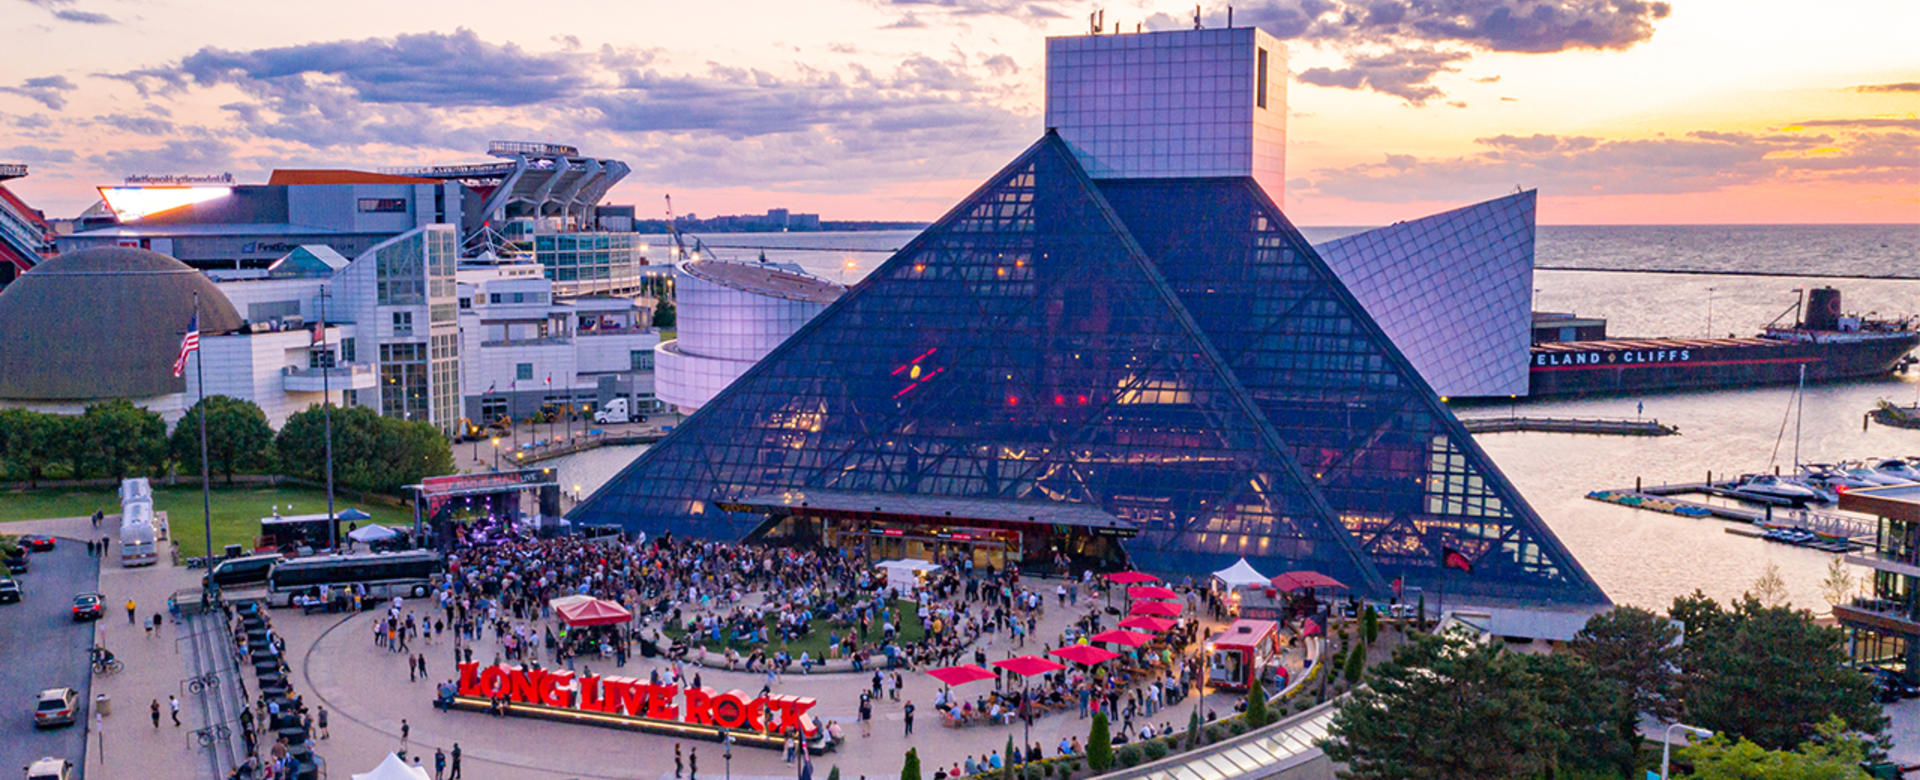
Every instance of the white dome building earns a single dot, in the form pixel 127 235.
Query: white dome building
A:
pixel 730 315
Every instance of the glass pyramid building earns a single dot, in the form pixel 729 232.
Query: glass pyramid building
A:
pixel 1167 354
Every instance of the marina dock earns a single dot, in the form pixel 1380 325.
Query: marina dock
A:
pixel 1568 425
pixel 1839 533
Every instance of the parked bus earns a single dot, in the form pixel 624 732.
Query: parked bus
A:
pixel 137 536
pixel 385 575
pixel 1246 649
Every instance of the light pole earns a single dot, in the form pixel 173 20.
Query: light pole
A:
pixel 496 453
pixel 1666 744
pixel 1709 312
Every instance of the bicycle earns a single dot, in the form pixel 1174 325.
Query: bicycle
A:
pixel 106 666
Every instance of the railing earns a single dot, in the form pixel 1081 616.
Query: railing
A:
pixel 13 170
pixel 498 148
pixel 345 371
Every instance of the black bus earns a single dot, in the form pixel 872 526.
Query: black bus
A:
pixel 385 575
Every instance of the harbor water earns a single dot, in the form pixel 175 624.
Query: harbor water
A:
pixel 1638 557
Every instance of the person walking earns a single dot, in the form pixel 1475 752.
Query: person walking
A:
pixel 679 763
pixel 439 762
pixel 411 666
pixel 908 712
pixel 323 723
pixel 693 763
pixel 130 608
pixel 453 768
pixel 173 707
pixel 404 731
pixel 154 709
pixel 866 716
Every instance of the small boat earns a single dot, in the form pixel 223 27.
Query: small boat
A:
pixel 1770 489
pixel 1870 475
pixel 1898 468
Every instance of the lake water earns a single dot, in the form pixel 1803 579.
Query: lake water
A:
pixel 1638 557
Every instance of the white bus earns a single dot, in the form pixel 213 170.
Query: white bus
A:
pixel 137 534
pixel 385 575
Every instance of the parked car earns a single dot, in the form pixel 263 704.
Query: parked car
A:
pixel 10 591
pixel 1892 682
pixel 86 606
pixel 57 707
pixel 50 768
pixel 37 542
pixel 16 560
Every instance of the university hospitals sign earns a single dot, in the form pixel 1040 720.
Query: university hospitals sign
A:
pixel 624 702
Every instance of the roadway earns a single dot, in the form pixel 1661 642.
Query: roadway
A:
pixel 44 648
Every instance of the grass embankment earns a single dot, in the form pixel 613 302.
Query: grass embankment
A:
pixel 815 642
pixel 236 510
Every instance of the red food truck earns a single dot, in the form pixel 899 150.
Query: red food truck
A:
pixel 1245 649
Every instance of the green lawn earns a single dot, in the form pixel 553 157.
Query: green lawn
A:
pixel 236 511
pixel 815 643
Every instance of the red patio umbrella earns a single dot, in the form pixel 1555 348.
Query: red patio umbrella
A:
pixel 1295 580
pixel 1155 608
pixel 1029 665
pixel 1309 628
pixel 1130 577
pixel 1085 654
pixel 1119 637
pixel 961 674
pixel 1152 592
pixel 1146 623
pixel 593 612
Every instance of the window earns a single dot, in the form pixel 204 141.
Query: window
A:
pixel 383 205
pixel 346 350
pixel 403 323
pixel 641 359
pixel 523 372
pixel 1260 74
pixel 493 298
pixel 466 304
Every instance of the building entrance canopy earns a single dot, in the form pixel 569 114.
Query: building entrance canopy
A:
pixel 940 509
pixel 993 533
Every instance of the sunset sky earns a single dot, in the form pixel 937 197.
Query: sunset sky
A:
pixel 1619 111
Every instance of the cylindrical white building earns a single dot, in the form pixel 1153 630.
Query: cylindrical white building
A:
pixel 729 316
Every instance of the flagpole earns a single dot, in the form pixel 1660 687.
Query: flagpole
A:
pixel 206 489
pixel 326 412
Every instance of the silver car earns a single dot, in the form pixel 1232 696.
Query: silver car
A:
pixel 57 707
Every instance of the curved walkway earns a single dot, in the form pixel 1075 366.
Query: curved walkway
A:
pixel 1284 749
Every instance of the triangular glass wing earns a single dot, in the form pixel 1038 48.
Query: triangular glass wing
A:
pixel 1401 472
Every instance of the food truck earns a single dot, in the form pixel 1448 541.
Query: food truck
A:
pixel 1246 649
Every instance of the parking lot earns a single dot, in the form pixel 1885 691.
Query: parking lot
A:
pixel 44 648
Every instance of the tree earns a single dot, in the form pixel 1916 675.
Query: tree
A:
pixel 1771 588
pixel 1830 757
pixel 1006 760
pixel 1370 624
pixel 1591 709
pixel 1698 614
pixel 1770 673
pixel 117 439
pixel 1471 705
pixel 663 314
pixel 1838 586
pixel 371 452
pixel 834 772
pixel 1637 649
pixel 1099 745
pixel 1193 729
pixel 238 437
pixel 1356 664
pixel 911 769
pixel 1257 713
pixel 30 442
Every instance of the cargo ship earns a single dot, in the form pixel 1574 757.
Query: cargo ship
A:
pixel 1824 343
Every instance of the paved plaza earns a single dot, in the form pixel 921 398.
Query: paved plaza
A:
pixel 367 694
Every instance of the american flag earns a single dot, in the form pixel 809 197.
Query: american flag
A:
pixel 188 345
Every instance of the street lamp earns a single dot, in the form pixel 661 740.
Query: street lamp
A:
pixel 1666 744
pixel 496 453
